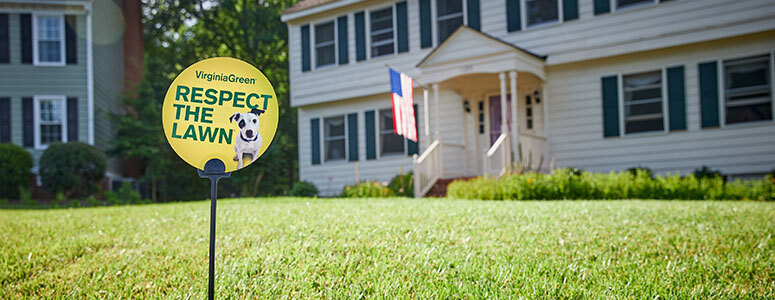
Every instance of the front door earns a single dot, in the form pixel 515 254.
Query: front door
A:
pixel 495 116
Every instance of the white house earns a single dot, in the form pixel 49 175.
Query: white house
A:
pixel 599 84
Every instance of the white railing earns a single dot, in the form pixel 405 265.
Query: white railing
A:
pixel 498 158
pixel 533 152
pixel 427 169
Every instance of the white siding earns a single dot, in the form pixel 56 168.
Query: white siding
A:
pixel 576 129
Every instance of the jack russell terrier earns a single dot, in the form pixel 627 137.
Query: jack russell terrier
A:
pixel 249 140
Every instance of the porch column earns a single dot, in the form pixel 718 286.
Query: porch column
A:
pixel 436 104
pixel 514 119
pixel 504 105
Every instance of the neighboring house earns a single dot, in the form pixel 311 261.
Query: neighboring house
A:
pixel 62 71
pixel 599 84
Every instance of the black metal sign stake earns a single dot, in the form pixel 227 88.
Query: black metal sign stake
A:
pixel 215 170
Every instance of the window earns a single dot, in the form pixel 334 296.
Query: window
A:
pixel 449 16
pixel 542 11
pixel 390 143
pixel 334 134
pixel 643 105
pixel 528 112
pixel 629 3
pixel 382 40
pixel 50 126
pixel 747 86
pixel 325 46
pixel 49 45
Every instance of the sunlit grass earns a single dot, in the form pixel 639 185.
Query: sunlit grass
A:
pixel 394 248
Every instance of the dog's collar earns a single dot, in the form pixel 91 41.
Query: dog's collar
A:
pixel 247 140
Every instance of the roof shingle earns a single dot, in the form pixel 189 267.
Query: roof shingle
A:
pixel 306 4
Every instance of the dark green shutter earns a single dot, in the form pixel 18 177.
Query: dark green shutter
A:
pixel 315 138
pixel 352 136
pixel 341 27
pixel 26 35
pixel 602 6
pixel 402 25
pixel 305 54
pixel 72 118
pixel 513 15
pixel 71 41
pixel 676 98
pixel 360 36
pixel 412 146
pixel 371 140
pixel 610 88
pixel 28 124
pixel 570 9
pixel 709 94
pixel 474 15
pixel 5 48
pixel 426 36
pixel 5 120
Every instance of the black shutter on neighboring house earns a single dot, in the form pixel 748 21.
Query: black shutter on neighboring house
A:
pixel 371 140
pixel 709 114
pixel 5 120
pixel 513 15
pixel 474 16
pixel 71 40
pixel 570 9
pixel 412 146
pixel 72 119
pixel 28 124
pixel 315 133
pixel 676 98
pixel 360 36
pixel 26 34
pixel 610 87
pixel 402 26
pixel 305 54
pixel 602 6
pixel 352 136
pixel 342 36
pixel 5 43
pixel 426 36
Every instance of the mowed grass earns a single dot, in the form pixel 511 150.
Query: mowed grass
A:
pixel 393 248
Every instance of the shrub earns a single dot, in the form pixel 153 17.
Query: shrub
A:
pixel 128 195
pixel 304 189
pixel 111 198
pixel 60 198
pixel 565 184
pixel 92 201
pixel 25 195
pixel 634 171
pixel 402 185
pixel 73 168
pixel 706 173
pixel 367 189
pixel 15 165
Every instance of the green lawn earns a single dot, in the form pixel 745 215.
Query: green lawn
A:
pixel 395 248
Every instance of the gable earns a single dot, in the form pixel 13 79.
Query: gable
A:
pixel 466 43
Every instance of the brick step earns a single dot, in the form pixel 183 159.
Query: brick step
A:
pixel 439 189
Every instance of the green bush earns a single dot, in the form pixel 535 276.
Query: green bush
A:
pixel 566 184
pixel 128 195
pixel 73 168
pixel 402 185
pixel 92 201
pixel 15 165
pixel 25 195
pixel 706 173
pixel 111 197
pixel 304 189
pixel 367 189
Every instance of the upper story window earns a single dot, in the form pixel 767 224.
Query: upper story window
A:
pixel 382 37
pixel 542 11
pixel 747 85
pixel 334 138
pixel 449 16
pixel 390 143
pixel 49 112
pixel 643 107
pixel 325 45
pixel 49 45
pixel 629 3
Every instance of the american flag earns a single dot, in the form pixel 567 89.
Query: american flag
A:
pixel 402 94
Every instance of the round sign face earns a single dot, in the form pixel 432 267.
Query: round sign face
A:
pixel 220 108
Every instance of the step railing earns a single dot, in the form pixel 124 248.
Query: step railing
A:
pixel 498 158
pixel 427 169
pixel 533 152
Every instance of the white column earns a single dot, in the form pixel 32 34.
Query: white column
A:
pixel 436 104
pixel 514 118
pixel 504 116
pixel 426 113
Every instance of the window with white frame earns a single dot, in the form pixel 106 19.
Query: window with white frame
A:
pixel 382 37
pixel 542 12
pixel 449 16
pixel 389 141
pixel 49 38
pixel 50 126
pixel 643 107
pixel 630 3
pixel 334 138
pixel 747 88
pixel 325 45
